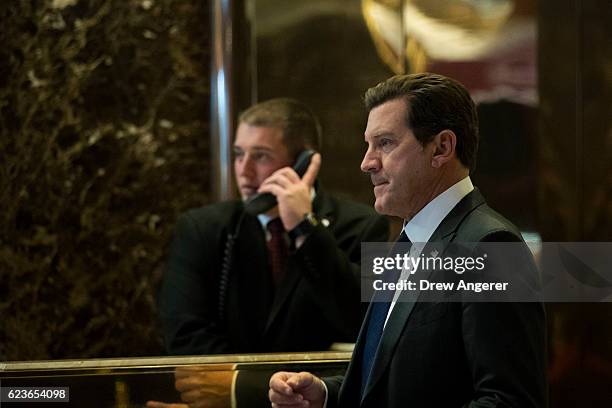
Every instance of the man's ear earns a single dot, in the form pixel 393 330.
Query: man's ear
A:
pixel 444 148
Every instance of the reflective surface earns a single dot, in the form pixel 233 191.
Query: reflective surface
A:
pixel 320 51
pixel 202 381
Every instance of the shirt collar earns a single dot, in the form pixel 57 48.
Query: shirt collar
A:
pixel 422 226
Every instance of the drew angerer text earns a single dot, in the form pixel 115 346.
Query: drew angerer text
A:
pixel 425 285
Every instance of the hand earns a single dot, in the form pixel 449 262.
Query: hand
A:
pixel 292 193
pixel 200 388
pixel 296 390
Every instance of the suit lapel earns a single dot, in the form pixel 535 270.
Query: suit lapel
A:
pixel 250 283
pixel 283 291
pixel 351 386
pixel 403 308
pixel 391 334
pixel 321 206
pixel 449 225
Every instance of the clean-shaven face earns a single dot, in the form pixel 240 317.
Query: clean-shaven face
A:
pixel 258 152
pixel 399 166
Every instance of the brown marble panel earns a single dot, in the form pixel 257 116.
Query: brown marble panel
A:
pixel 104 108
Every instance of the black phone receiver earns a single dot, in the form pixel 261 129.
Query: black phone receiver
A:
pixel 263 202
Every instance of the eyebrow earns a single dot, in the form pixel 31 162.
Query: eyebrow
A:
pixel 258 149
pixel 382 134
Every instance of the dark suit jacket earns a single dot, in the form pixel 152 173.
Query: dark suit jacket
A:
pixel 316 304
pixel 456 354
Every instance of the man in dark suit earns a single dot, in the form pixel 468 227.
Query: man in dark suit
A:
pixel 236 284
pixel 422 137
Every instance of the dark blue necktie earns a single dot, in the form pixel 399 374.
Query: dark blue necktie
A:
pixel 376 322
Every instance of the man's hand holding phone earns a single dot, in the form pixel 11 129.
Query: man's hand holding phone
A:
pixel 292 193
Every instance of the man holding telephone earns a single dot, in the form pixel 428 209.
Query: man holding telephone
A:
pixel 283 280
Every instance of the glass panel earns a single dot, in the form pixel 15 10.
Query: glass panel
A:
pixel 320 51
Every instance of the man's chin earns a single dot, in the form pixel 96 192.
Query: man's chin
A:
pixel 379 206
pixel 383 208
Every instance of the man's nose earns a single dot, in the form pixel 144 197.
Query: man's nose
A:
pixel 245 166
pixel 370 162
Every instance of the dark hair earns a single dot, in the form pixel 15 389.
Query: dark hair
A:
pixel 434 103
pixel 300 126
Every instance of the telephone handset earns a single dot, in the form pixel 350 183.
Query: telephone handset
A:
pixel 263 202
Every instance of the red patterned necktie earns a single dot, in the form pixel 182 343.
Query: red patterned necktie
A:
pixel 277 248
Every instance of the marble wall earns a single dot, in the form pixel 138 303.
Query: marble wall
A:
pixel 104 108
